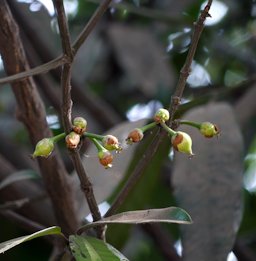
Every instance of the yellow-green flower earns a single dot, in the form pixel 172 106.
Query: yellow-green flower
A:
pixel 182 142
pixel 135 135
pixel 105 158
pixel 72 140
pixel 44 148
pixel 79 125
pixel 209 129
pixel 162 115
pixel 111 142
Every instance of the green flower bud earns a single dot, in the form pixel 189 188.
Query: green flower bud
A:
pixel 110 142
pixel 79 125
pixel 72 140
pixel 135 135
pixel 44 148
pixel 105 158
pixel 209 129
pixel 182 142
pixel 162 115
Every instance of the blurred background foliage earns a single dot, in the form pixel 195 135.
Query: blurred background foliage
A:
pixel 127 69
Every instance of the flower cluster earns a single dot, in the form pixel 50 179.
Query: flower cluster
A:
pixel 181 141
pixel 105 144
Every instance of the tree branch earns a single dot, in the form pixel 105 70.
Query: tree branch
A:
pixel 63 27
pixel 99 109
pixel 67 101
pixel 185 71
pixel 31 112
pixel 90 25
pixel 37 70
pixel 66 70
pixel 136 174
pixel 86 186
pixel 62 59
pixel 152 148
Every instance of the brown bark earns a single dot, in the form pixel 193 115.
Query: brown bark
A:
pixel 31 111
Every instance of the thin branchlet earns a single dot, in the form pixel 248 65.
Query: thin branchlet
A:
pixel 175 102
pixel 70 51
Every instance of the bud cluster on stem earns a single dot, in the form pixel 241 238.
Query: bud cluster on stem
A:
pixel 181 141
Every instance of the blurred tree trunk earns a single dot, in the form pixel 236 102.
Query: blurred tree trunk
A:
pixel 31 111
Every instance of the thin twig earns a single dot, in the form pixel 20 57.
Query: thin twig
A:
pixel 66 70
pixel 136 174
pixel 86 186
pixel 67 101
pixel 53 64
pixel 152 148
pixel 90 25
pixel 63 27
pixel 185 71
pixel 60 60
pixel 31 110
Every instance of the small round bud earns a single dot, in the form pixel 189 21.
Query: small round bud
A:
pixel 135 135
pixel 105 158
pixel 209 129
pixel 162 115
pixel 72 140
pixel 44 148
pixel 79 125
pixel 110 142
pixel 182 142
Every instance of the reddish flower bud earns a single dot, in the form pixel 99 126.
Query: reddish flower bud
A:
pixel 110 142
pixel 162 115
pixel 182 142
pixel 72 140
pixel 135 135
pixel 209 129
pixel 44 148
pixel 79 125
pixel 105 158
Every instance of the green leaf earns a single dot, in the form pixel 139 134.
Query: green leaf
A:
pixel 165 215
pixel 18 176
pixel 16 241
pixel 93 249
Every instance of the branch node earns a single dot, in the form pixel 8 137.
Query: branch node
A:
pixel 176 100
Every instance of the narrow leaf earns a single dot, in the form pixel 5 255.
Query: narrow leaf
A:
pixel 93 249
pixel 166 215
pixel 18 176
pixel 16 241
